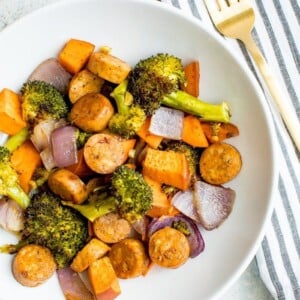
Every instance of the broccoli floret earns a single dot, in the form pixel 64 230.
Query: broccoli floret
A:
pixel 169 190
pixel 127 193
pixel 156 81
pixel 182 227
pixel 81 137
pixel 134 195
pixel 39 177
pixel 130 117
pixel 154 77
pixel 50 224
pixel 42 101
pixel 9 181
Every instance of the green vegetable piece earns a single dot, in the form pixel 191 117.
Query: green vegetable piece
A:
pixel 94 210
pixel 205 111
pixel 157 81
pixel 50 224
pixel 17 139
pixel 9 181
pixel 133 194
pixel 129 118
pixel 42 101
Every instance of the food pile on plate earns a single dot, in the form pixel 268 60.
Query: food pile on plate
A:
pixel 110 169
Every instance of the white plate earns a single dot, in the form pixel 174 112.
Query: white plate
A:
pixel 135 29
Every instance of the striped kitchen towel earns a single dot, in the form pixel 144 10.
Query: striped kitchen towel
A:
pixel 277 34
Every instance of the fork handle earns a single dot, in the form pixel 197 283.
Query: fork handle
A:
pixel 285 108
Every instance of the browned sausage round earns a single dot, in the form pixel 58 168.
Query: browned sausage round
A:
pixel 84 82
pixel 104 152
pixel 129 258
pixel 169 248
pixel 111 228
pixel 68 186
pixel 33 265
pixel 91 112
pixel 220 163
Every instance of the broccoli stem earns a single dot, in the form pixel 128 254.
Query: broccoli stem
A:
pixel 17 139
pixel 122 97
pixel 18 195
pixel 13 248
pixel 94 210
pixel 206 111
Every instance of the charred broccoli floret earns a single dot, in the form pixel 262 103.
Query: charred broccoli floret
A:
pixel 39 177
pixel 127 193
pixel 156 81
pixel 169 190
pixel 9 181
pixel 42 101
pixel 130 117
pixel 81 137
pixel 134 196
pixel 50 224
pixel 153 78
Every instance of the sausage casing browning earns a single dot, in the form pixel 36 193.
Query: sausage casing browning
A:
pixel 68 186
pixel 129 258
pixel 104 152
pixel 33 265
pixel 220 163
pixel 111 228
pixel 169 248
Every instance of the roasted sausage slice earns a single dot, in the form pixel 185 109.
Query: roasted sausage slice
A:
pixel 68 186
pixel 33 265
pixel 129 258
pixel 104 152
pixel 169 248
pixel 108 67
pixel 84 82
pixel 111 228
pixel 220 163
pixel 91 112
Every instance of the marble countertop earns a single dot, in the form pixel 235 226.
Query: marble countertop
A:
pixel 249 286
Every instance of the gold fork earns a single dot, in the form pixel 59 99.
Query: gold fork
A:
pixel 235 19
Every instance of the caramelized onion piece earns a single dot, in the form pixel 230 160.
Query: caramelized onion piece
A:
pixel 213 204
pixel 64 147
pixel 167 122
pixel 52 72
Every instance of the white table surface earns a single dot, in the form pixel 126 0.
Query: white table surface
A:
pixel 249 286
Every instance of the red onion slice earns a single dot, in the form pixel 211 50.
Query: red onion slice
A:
pixel 213 203
pixel 184 202
pixel 195 238
pixel 141 226
pixel 47 159
pixel 72 285
pixel 41 136
pixel 167 122
pixel 52 72
pixel 64 147
pixel 11 216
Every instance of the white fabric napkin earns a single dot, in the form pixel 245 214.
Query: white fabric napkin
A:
pixel 277 34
